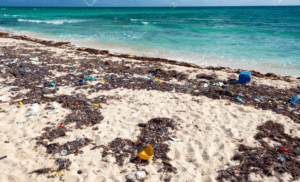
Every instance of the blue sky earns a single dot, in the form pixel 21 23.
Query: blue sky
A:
pixel 141 3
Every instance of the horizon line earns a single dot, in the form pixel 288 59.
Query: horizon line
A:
pixel 138 6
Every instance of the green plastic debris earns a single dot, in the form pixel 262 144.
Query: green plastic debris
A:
pixel 240 99
pixel 88 60
pixel 90 78
pixel 70 64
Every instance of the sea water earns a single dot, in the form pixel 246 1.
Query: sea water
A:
pixel 265 39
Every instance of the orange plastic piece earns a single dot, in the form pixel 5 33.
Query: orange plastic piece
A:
pixel 147 154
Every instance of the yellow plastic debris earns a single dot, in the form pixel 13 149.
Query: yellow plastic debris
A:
pixel 21 103
pixel 159 80
pixel 249 106
pixel 50 56
pixel 96 104
pixel 155 78
pixel 133 140
pixel 59 174
pixel 33 82
pixel 276 102
pixel 99 66
pixel 194 86
pixel 102 81
pixel 270 101
pixel 147 154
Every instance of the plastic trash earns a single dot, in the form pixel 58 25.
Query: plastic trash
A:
pixel 22 69
pixel 53 112
pixel 34 106
pixel 240 99
pixel 175 139
pixel 64 152
pixel 21 103
pixel 80 81
pixel 281 158
pixel 32 114
pixel 283 148
pixel 245 77
pixel 53 84
pixel 147 154
pixel 280 108
pixel 21 122
pixel 173 91
pixel 137 175
pixel 1 54
pixel 90 78
pixel 140 175
pixel 2 98
pixel 295 99
pixel 55 105
pixel 3 157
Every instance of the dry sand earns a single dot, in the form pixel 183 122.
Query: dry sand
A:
pixel 210 131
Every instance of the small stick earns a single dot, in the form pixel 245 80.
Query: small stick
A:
pixel 3 157
pixel 163 174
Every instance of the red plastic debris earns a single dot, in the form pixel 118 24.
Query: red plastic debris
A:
pixel 285 149
pixel 76 102
pixel 61 126
pixel 0 100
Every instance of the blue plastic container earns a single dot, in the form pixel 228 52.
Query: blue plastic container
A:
pixel 245 77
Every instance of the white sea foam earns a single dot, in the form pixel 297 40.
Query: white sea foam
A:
pixel 55 22
pixel 145 23
pixel 6 15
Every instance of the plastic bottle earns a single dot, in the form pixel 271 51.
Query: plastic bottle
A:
pixel 55 104
pixel 53 112
pixel 21 122
pixel 33 114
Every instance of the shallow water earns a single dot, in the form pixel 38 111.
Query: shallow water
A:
pixel 265 39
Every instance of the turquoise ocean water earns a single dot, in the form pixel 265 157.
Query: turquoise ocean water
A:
pixel 265 39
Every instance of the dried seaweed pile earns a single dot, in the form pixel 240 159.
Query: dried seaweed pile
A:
pixel 155 132
pixel 52 134
pixel 72 147
pixel 267 159
pixel 61 163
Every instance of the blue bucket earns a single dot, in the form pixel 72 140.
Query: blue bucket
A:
pixel 245 77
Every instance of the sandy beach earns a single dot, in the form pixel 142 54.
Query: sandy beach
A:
pixel 110 111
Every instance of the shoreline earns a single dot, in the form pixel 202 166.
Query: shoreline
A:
pixel 8 34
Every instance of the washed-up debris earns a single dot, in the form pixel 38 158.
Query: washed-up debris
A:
pixel 147 153
pixel 244 77
pixel 21 122
pixel 53 112
pixel 3 157
pixel 55 105
pixel 2 98
pixel 267 158
pixel 137 175
pixel 61 164
pixel 34 107
pixel 52 134
pixel 175 139
pixel 71 147
pixel 32 114
pixel 153 135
